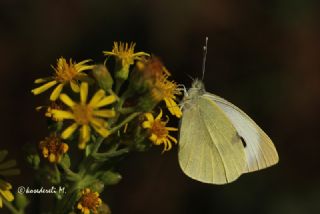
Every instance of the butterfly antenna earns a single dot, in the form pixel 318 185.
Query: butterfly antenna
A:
pixel 190 77
pixel 205 50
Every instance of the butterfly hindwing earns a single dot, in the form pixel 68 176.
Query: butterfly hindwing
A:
pixel 260 151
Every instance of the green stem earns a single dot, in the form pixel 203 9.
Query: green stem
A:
pixel 127 110
pixel 73 176
pixel 57 173
pixel 118 85
pixel 89 159
pixel 124 122
pixel 105 156
pixel 11 207
pixel 62 206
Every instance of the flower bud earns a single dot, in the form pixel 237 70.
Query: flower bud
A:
pixel 110 178
pixel 103 77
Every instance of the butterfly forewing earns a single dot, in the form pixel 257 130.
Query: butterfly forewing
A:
pixel 210 150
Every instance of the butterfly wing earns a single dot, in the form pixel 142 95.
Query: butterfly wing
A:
pixel 210 150
pixel 260 151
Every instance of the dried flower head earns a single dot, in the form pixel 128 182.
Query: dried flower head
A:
pixel 53 148
pixel 89 202
pixel 154 75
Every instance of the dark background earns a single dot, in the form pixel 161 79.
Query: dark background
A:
pixel 264 56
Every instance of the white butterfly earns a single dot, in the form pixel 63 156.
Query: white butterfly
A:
pixel 218 141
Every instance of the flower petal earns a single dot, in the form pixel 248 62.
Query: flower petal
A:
pixel 154 138
pixel 159 115
pixel 69 131
pixel 79 206
pixel 7 195
pixel 64 147
pixel 109 53
pixel 146 124
pixel 173 139
pixel 85 134
pixel 83 92
pixel 101 130
pixel 74 86
pixel 82 67
pixel 105 113
pixel 106 101
pixel 56 92
pixel 172 129
pixel 97 98
pixel 60 114
pixel 67 100
pixel 52 158
pixel 97 122
pixel 173 107
pixel 149 117
pixel 44 87
pixel 42 80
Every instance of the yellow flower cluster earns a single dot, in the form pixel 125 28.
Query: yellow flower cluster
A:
pixel 91 115
pixel 118 99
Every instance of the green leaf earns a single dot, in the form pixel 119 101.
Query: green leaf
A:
pixel 89 149
pixel 66 161
pixel 8 164
pixel 97 186
pixel 10 172
pixel 33 160
pixel 21 201
pixel 3 154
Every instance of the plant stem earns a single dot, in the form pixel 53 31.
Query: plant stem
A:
pixel 11 207
pixel 124 122
pixel 69 172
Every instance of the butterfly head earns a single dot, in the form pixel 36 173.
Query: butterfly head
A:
pixel 197 85
pixel 196 90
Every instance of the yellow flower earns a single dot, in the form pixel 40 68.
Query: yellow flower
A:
pixel 5 192
pixel 159 131
pixel 53 148
pixel 49 108
pixel 153 75
pixel 86 114
pixel 167 90
pixel 64 73
pixel 125 53
pixel 89 201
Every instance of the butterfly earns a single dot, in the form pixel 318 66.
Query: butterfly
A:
pixel 218 142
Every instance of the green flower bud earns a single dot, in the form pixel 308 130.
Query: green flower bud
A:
pixel 103 77
pixel 110 178
pixel 21 201
pixel 34 160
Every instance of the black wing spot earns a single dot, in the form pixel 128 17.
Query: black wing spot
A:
pixel 243 142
